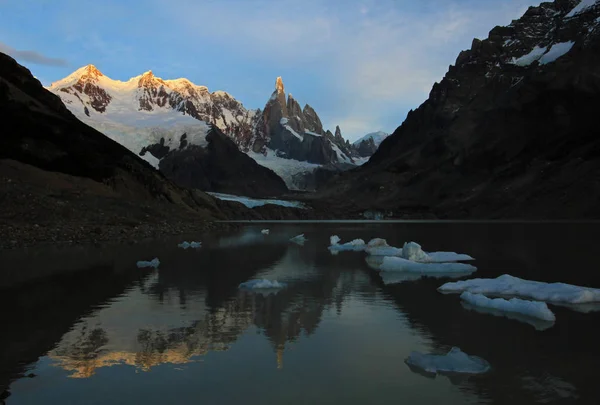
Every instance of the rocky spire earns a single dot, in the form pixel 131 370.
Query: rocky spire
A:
pixel 279 85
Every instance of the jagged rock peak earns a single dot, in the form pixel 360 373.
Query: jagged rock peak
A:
pixel 338 131
pixel 279 85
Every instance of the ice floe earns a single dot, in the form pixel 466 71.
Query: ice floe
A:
pixel 265 231
pixel 187 245
pixel 392 263
pixel 455 361
pixel 299 239
pixel 152 263
pixel 534 309
pixel 261 284
pixel 357 245
pixel 509 286
pixel 412 251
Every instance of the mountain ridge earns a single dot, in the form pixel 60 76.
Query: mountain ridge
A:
pixel 509 132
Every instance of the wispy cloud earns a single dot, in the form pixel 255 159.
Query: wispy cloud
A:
pixel 376 56
pixel 32 56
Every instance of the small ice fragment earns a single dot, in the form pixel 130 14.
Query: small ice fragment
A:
pixel 456 361
pixel 379 247
pixel 357 245
pixel 334 240
pixel 403 265
pixel 265 231
pixel 261 285
pixel 186 245
pixel 509 286
pixel 299 239
pixel 534 309
pixel 153 263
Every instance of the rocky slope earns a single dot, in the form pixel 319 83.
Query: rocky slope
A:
pixel 510 131
pixel 218 167
pixel 367 145
pixel 62 180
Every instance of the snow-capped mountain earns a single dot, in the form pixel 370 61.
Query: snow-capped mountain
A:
pixel 368 144
pixel 147 111
pixel 511 131
pixel 377 137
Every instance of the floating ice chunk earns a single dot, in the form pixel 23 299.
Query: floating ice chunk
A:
pixel 400 264
pixel 261 285
pixel 456 361
pixel 299 239
pixel 533 309
pixel 357 245
pixel 537 323
pixel 334 240
pixel 153 263
pixel 265 231
pixel 187 245
pixel 396 277
pixel 446 257
pixel 412 251
pixel 507 286
pixel 380 247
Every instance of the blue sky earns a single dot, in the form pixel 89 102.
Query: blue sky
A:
pixel 362 64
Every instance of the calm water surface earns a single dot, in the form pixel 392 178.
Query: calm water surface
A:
pixel 185 334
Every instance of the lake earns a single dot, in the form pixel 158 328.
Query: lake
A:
pixel 184 333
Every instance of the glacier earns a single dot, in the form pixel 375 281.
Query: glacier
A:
pixel 254 202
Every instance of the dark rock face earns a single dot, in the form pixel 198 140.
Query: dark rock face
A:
pixel 297 133
pixel 366 148
pixel 498 137
pixel 220 167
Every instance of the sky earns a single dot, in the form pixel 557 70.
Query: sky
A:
pixel 362 64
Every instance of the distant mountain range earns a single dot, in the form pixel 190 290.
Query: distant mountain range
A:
pixel 149 116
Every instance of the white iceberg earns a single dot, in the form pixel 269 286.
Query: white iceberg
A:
pixel 265 231
pixel 357 245
pixel 400 264
pixel 380 247
pixel 153 263
pixel 456 361
pixel 261 284
pixel 299 239
pixel 509 286
pixel 412 251
pixel 534 309
pixel 187 245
